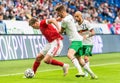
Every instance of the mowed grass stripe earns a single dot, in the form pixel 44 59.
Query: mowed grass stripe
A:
pixel 49 70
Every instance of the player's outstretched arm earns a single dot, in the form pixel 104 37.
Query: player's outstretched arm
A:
pixel 92 33
pixel 53 21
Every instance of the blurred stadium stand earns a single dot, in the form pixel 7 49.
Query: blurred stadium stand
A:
pixel 98 11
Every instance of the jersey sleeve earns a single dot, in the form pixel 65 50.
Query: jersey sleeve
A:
pixel 63 24
pixel 89 26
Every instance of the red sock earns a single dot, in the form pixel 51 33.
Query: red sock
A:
pixel 35 66
pixel 56 62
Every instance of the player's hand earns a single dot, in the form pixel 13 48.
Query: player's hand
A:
pixel 84 37
pixel 59 19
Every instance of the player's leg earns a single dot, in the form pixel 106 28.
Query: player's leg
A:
pixel 49 60
pixel 37 62
pixel 40 56
pixel 87 53
pixel 86 59
pixel 71 52
pixel 81 61
pixel 55 49
pixel 86 67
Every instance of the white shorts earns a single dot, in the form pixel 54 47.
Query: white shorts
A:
pixel 53 49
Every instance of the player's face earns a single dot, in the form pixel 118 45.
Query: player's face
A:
pixel 77 18
pixel 1 17
pixel 36 25
pixel 60 14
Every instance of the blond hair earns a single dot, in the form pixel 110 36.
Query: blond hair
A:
pixel 60 8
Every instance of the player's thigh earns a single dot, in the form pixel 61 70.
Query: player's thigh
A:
pixel 55 47
pixel 45 49
pixel 74 48
pixel 71 53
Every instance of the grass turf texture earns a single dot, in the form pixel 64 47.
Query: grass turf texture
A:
pixel 106 66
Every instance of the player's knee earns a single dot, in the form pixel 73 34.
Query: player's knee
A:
pixel 46 61
pixel 86 59
pixel 82 62
pixel 38 58
pixel 70 56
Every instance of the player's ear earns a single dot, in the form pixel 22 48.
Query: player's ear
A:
pixel 36 23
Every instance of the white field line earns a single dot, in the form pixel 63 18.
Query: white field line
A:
pixel 57 69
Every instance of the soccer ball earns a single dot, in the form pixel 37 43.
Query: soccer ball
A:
pixel 29 73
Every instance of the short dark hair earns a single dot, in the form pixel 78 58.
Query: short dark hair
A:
pixel 60 8
pixel 32 21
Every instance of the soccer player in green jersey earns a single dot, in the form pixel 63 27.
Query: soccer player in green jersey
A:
pixel 68 25
pixel 84 28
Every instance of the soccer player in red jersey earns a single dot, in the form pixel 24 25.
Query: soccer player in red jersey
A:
pixel 51 30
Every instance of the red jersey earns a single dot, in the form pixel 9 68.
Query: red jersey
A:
pixel 49 31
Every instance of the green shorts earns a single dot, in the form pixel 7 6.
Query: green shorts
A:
pixel 87 50
pixel 77 46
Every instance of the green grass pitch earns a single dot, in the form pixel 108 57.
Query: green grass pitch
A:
pixel 105 66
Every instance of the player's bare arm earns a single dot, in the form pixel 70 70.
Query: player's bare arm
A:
pixel 92 33
pixel 49 21
pixel 59 19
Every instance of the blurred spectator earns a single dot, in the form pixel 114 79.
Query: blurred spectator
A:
pixel 3 29
pixel 1 7
pixel 98 10
pixel 117 20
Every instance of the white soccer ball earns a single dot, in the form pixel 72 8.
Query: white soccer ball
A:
pixel 29 73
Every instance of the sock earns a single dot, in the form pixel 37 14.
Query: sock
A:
pixel 35 66
pixel 86 72
pixel 87 68
pixel 77 65
pixel 56 62
pixel 87 63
